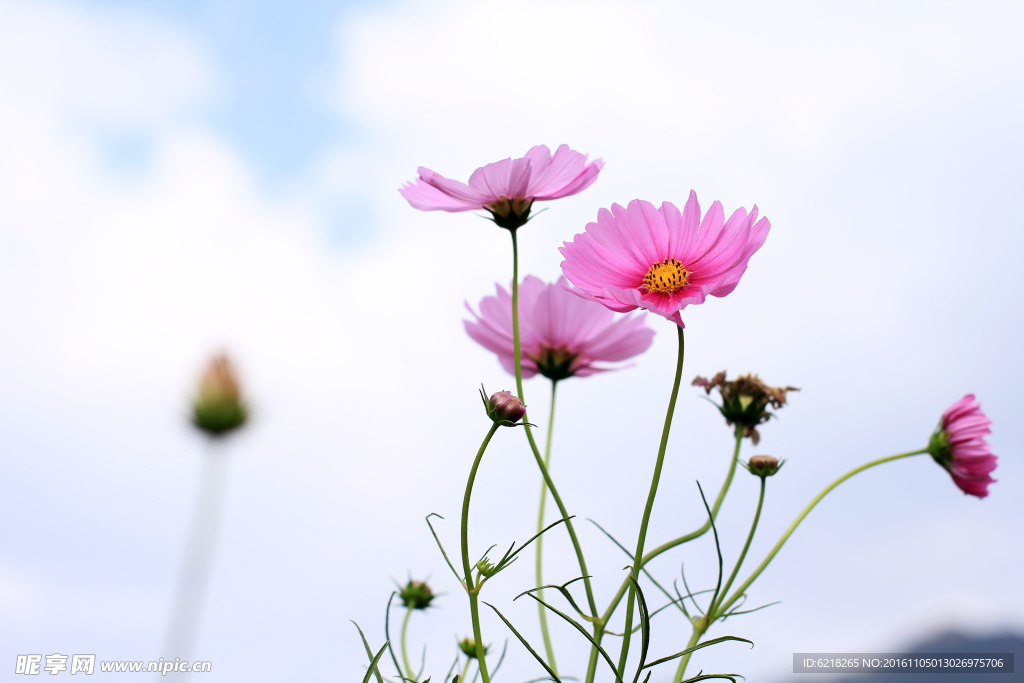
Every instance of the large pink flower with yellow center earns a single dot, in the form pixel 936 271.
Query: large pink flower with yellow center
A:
pixel 560 334
pixel 959 446
pixel 661 259
pixel 506 188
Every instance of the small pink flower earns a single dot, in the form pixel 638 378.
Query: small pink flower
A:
pixel 959 445
pixel 560 334
pixel 661 259
pixel 506 188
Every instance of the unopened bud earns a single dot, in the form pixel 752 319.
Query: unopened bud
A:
pixel 416 595
pixel 764 465
pixel 505 406
pixel 468 647
pixel 219 409
pixel 485 567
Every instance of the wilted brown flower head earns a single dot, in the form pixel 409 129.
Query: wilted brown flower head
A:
pixel 745 400
pixel 218 408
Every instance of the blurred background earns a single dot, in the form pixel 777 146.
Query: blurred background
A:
pixel 180 177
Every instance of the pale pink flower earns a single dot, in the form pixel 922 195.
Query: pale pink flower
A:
pixel 959 446
pixel 506 188
pixel 560 334
pixel 661 259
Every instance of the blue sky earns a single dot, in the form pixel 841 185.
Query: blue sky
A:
pixel 183 177
pixel 274 58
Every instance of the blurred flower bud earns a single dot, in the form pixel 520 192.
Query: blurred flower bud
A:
pixel 504 407
pixel 763 465
pixel 416 595
pixel 745 400
pixel 219 409
pixel 468 647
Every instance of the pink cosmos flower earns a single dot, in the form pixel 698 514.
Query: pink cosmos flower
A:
pixel 661 259
pixel 959 445
pixel 506 188
pixel 560 335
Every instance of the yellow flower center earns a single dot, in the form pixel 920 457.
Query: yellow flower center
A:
pixel 666 276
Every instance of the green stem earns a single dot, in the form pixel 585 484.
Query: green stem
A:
pixel 540 539
pixel 606 617
pixel 685 659
pixel 655 480
pixel 405 656
pixel 474 608
pixel 796 522
pixel 743 554
pixel 533 444
pixel 465 670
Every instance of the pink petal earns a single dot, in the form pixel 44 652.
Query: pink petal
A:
pixel 505 178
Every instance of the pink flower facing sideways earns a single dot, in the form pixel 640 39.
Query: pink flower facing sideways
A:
pixel 661 259
pixel 506 188
pixel 959 446
pixel 560 334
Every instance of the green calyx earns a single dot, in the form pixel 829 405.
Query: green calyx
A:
pixel 555 364
pixel 219 417
pixel 763 465
pixel 510 214
pixel 940 449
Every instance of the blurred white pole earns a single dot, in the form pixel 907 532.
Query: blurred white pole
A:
pixel 194 575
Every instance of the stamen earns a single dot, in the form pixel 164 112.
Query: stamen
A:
pixel 666 276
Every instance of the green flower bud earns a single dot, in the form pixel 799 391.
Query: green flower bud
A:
pixel 485 567
pixel 416 595
pixel 468 647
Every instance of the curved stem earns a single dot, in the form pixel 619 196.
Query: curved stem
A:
pixel 796 522
pixel 613 605
pixel 474 608
pixel 655 480
pixel 533 444
pixel 405 655
pixel 548 648
pixel 743 554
